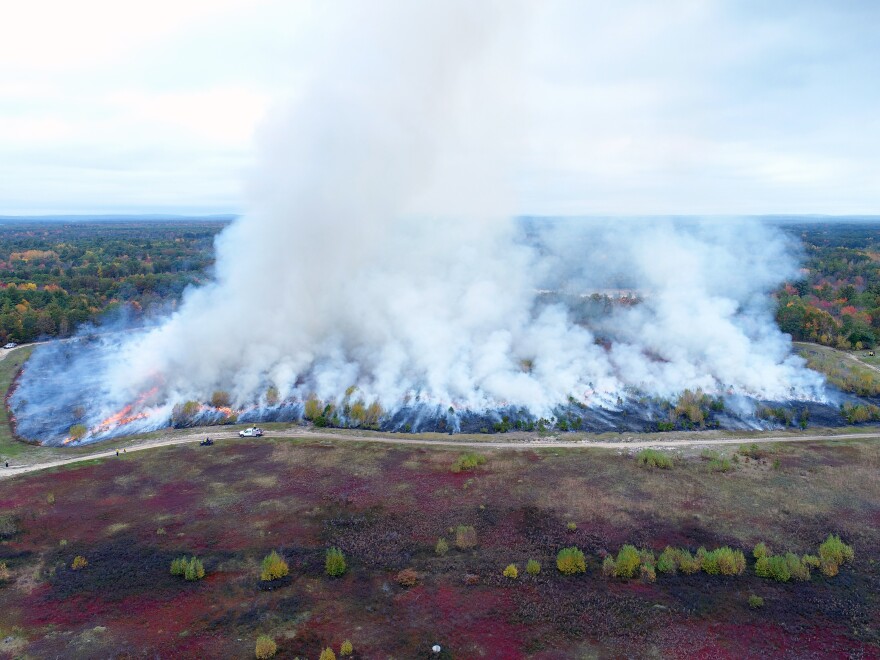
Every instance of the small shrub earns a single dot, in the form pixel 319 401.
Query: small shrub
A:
pixel 346 648
pixel 407 578
pixel 647 572
pixel 220 399
pixel 467 462
pixel 667 562
pixel 609 568
pixel 50 498
pixel 811 560
pixel 62 542
pixel 775 567
pixel 273 567
pixel 533 567
pixel 266 647
pixel 651 458
pixel 312 408
pixel 722 561
pixel 77 432
pixel 751 451
pixel 720 465
pixel 79 562
pixel 627 562
pixel 798 569
pixel 571 527
pixel 756 602
pixel 327 654
pixel 334 562
pixel 4 571
pixel 194 570
pixel 687 563
pixel 160 531
pixel 570 561
pixel 761 550
pixel 442 546
pixel 178 566
pixel 511 571
pixel 833 553
pixel 465 537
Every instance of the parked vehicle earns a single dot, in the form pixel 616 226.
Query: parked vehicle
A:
pixel 252 432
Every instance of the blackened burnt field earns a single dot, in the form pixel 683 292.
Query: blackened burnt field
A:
pixel 386 507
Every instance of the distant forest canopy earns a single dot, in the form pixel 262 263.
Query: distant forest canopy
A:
pixel 837 301
pixel 57 274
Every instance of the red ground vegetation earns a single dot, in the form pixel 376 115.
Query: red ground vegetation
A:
pixel 385 509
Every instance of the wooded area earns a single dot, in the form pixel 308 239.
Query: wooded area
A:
pixel 56 276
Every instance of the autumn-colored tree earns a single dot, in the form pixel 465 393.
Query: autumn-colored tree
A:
pixel 273 567
pixel 265 648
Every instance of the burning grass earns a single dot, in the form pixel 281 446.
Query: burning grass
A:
pixel 382 509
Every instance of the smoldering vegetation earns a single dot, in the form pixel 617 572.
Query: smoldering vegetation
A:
pixel 379 265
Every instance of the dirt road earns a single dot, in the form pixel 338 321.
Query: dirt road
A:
pixel 299 432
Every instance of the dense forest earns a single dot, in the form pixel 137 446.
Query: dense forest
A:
pixel 55 276
pixel 836 302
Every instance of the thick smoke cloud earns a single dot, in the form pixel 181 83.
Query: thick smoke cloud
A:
pixel 379 252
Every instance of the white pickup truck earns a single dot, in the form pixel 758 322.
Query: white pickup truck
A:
pixel 252 432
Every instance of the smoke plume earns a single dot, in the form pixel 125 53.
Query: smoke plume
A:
pixel 380 253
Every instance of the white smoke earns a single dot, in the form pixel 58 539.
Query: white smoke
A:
pixel 379 252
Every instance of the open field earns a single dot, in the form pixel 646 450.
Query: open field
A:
pixel 385 506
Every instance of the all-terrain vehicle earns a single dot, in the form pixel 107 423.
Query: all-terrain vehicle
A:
pixel 252 432
pixel 207 442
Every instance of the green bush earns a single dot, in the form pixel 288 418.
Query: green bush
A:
pixel 722 561
pixel 761 550
pixel 442 546
pixel 194 570
pixel 467 462
pixel 273 567
pixel 346 648
pixel 511 571
pixel 533 567
pixel 756 602
pixel 834 551
pixel 667 562
pixel 609 568
pixel 178 566
pixel 811 560
pixel 627 562
pixel 651 458
pixel 782 567
pixel 334 562
pixel 570 561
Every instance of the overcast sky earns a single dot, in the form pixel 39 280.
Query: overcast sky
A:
pixel 691 107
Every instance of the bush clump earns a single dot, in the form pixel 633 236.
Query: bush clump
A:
pixel 465 537
pixel 346 648
pixel 327 654
pixel 334 562
pixel 782 568
pixel 266 647
pixel 511 571
pixel 407 578
pixel 190 569
pixel 651 458
pixel 833 553
pixel 761 550
pixel 4 571
pixel 273 568
pixel 570 561
pixel 77 432
pixel 442 546
pixel 533 567
pixel 79 562
pixel 722 561
pixel 467 462
pixel 756 602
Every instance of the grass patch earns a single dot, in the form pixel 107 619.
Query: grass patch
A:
pixel 651 458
